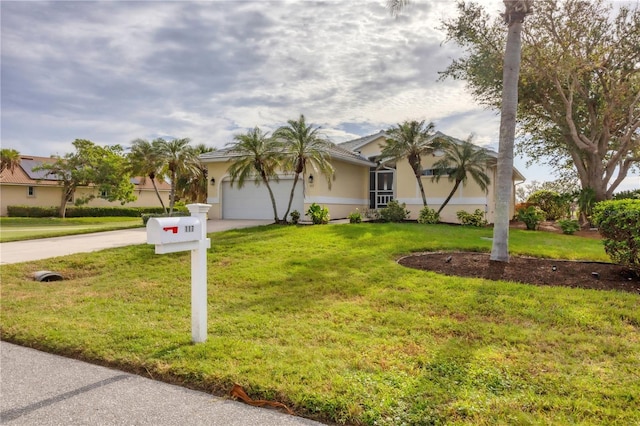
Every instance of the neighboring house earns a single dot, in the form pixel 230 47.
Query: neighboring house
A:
pixel 26 187
pixel 359 183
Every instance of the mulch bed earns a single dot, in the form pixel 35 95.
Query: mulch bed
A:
pixel 528 270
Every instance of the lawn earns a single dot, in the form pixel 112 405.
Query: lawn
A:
pixel 29 228
pixel 323 319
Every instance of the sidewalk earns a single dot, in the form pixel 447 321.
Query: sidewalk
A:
pixel 41 389
pixel 38 388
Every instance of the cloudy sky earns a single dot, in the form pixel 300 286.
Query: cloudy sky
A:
pixel 115 71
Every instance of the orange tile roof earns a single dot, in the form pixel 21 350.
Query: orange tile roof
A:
pixel 21 177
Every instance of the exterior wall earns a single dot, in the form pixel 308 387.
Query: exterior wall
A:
pixel 468 197
pixel 17 195
pixel 49 195
pixel 217 171
pixel 349 190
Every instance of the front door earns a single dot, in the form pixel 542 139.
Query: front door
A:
pixel 380 187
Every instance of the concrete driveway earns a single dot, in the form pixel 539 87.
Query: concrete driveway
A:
pixel 25 251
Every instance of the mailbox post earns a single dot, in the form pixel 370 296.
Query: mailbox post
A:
pixel 173 234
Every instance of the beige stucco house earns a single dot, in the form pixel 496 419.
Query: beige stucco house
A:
pixel 26 187
pixel 360 182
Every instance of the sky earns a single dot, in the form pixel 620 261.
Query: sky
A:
pixel 115 71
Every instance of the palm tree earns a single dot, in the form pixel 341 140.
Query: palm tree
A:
pixel 410 140
pixel 9 159
pixel 257 156
pixel 461 161
pixel 178 158
pixel 193 186
pixel 515 12
pixel 146 161
pixel 303 147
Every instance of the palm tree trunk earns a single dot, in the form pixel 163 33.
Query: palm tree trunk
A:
pixel 273 200
pixel 172 194
pixel 293 189
pixel 155 188
pixel 504 181
pixel 419 180
pixel 453 191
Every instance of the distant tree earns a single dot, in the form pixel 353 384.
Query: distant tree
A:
pixel 304 147
pixel 561 186
pixel 178 158
pixel 103 167
pixel 410 140
pixel 145 161
pixel 9 159
pixel 192 186
pixel 255 155
pixel 459 162
pixel 580 88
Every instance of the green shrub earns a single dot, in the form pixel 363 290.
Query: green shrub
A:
pixel 319 215
pixel 394 212
pixel 428 215
pixel 551 203
pixel 569 226
pixel 531 216
pixel 355 217
pixel 31 211
pixel 295 217
pixel 619 224
pixel 473 219
pixel 586 200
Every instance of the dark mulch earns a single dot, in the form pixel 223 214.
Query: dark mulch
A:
pixel 593 275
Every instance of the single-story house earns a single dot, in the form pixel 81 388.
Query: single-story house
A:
pixel 26 187
pixel 360 182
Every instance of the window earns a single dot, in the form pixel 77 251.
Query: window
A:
pixel 104 194
pixel 31 191
pixel 433 172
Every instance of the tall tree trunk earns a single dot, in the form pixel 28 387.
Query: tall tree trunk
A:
pixel 172 194
pixel 273 200
pixel 504 181
pixel 293 189
pixel 155 188
pixel 453 191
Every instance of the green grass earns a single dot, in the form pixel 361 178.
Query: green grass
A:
pixel 323 319
pixel 28 228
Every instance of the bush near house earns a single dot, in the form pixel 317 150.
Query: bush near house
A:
pixel 473 219
pixel 319 215
pixel 31 211
pixel 394 212
pixel 619 224
pixel 428 216
pixel 355 217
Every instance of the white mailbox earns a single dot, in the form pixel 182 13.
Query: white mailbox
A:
pixel 171 230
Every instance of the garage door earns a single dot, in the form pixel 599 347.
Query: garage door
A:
pixel 253 202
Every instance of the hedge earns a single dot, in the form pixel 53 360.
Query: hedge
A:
pixel 29 211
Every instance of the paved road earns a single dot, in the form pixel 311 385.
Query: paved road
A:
pixel 24 251
pixel 38 388
pixel 41 389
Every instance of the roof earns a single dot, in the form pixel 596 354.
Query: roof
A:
pixel 356 144
pixel 25 175
pixel 335 151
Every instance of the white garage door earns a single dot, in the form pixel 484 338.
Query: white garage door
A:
pixel 253 202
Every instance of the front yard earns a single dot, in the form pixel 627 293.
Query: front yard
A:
pixel 323 319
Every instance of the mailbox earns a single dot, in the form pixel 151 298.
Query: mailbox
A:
pixel 171 230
